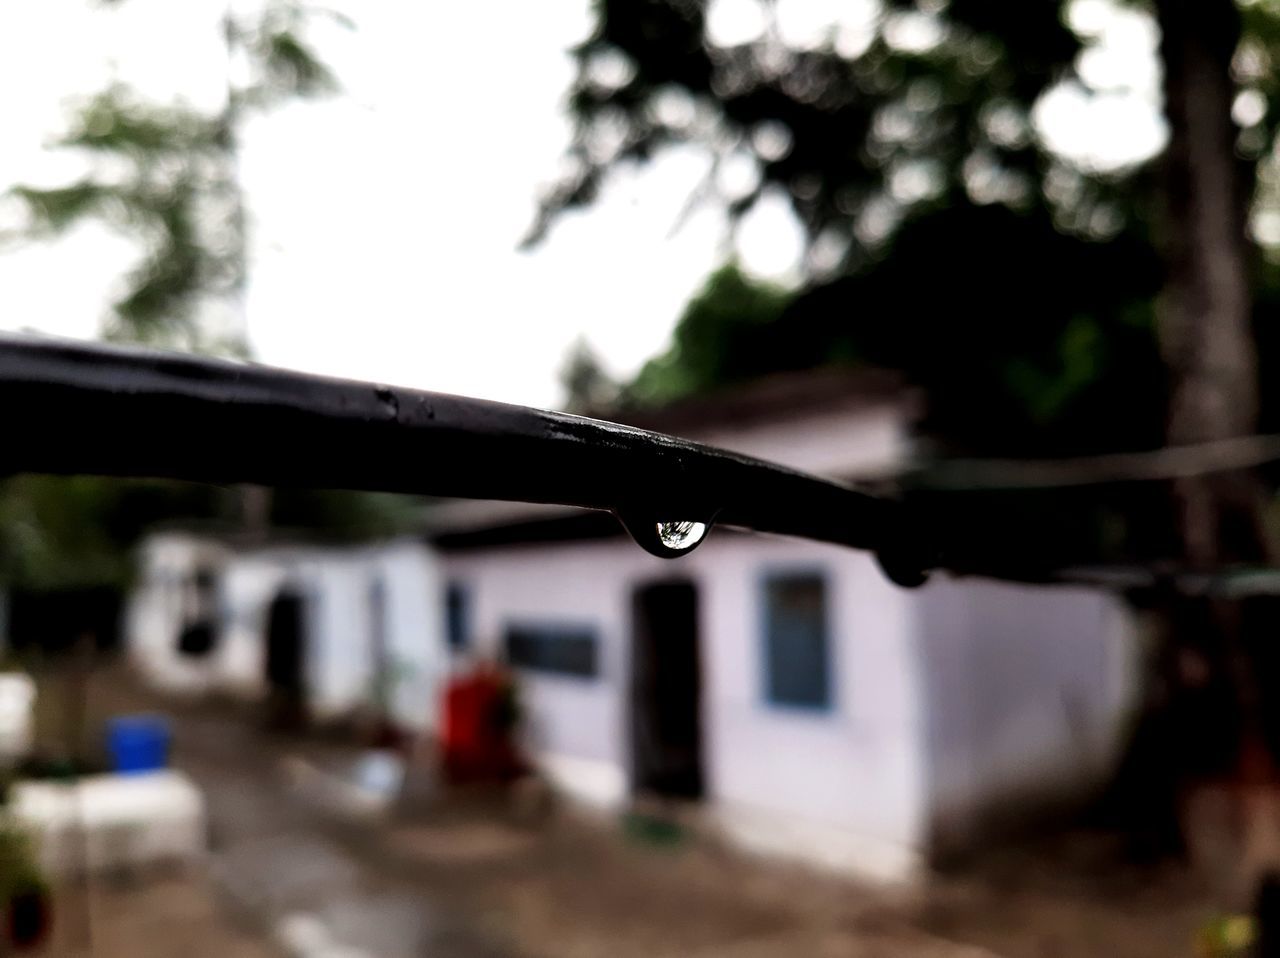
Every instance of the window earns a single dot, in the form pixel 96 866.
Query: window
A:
pixel 559 650
pixel 797 666
pixel 457 612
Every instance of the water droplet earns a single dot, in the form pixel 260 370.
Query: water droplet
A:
pixel 665 539
pixel 681 536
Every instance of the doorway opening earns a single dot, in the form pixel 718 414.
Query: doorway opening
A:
pixel 286 660
pixel 666 691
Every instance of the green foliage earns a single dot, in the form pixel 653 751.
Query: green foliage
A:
pixel 72 532
pixel 165 176
pixel 944 239
pixel 386 680
pixel 79 532
pixel 728 333
pixel 929 109
pixel 19 873
pixel 587 386
pixel 1013 357
pixel 1227 936
pixel 343 515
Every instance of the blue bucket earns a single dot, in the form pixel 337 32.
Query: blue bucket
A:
pixel 138 743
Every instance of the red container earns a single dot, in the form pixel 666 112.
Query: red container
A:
pixel 477 733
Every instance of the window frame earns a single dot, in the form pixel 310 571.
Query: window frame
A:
pixel 767 576
pixel 458 587
pixel 554 626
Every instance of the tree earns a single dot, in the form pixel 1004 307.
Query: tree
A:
pixel 891 137
pixel 587 386
pixel 921 107
pixel 166 175
pixel 933 212
pixel 727 334
pixel 1045 307
pixel 1069 310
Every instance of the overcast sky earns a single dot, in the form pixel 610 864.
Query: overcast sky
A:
pixel 386 220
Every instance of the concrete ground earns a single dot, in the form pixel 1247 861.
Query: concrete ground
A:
pixel 156 917
pixel 466 878
pixel 469 878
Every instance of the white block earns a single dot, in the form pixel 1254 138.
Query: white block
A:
pixel 106 822
pixel 17 701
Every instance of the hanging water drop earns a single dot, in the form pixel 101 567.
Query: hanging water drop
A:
pixel 681 536
pixel 667 539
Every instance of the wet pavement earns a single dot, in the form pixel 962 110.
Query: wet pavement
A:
pixel 474 884
pixel 275 856
pixel 474 879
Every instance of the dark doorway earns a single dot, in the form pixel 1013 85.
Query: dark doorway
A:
pixel 286 659
pixel 666 691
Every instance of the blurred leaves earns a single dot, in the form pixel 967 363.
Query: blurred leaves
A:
pixel 588 388
pixel 75 532
pixel 71 532
pixel 729 333
pixel 344 516
pixel 944 239
pixel 1015 356
pixel 923 106
pixel 165 175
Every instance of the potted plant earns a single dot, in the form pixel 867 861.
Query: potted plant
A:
pixel 24 894
pixel 383 731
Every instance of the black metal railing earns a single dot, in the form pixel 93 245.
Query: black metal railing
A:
pixel 76 408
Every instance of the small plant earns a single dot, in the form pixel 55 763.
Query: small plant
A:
pixel 18 871
pixel 386 680
pixel 1227 936
pixel 24 893
pixel 383 684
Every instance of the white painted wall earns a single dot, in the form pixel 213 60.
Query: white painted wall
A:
pixel 845 782
pixel 249 583
pixel 159 606
pixel 841 441
pixel 1028 691
pixel 338 586
pixel 413 588
pixel 843 786
pixel 577 726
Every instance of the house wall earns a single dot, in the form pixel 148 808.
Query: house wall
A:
pixel 249 583
pixel 1029 691
pixel 413 589
pixel 339 587
pixel 159 607
pixel 842 786
pixel 839 441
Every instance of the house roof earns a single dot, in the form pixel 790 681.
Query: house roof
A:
pixel 236 537
pixel 774 398
pixel 779 398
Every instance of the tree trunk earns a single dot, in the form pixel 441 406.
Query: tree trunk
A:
pixel 1205 324
pixel 1205 309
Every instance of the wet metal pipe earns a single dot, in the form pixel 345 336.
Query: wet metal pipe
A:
pixel 77 408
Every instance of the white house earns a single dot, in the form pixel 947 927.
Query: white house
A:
pixel 813 708
pixel 328 623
